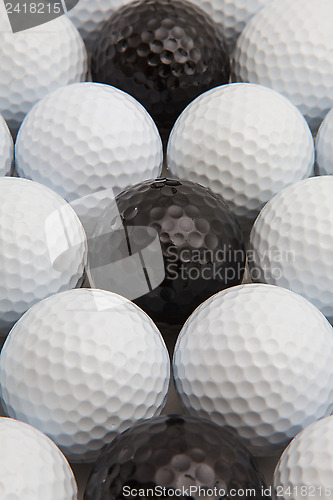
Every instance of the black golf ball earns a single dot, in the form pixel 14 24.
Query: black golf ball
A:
pixel 171 456
pixel 162 52
pixel 200 244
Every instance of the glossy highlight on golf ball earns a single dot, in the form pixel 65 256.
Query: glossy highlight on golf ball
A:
pixel 173 454
pixel 163 53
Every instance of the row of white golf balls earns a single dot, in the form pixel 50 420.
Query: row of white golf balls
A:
pixel 35 62
pixel 83 365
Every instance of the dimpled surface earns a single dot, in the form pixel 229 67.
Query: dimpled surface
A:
pixel 36 228
pixel 6 148
pixel 31 465
pixel 231 15
pixel 173 452
pixel 291 242
pixel 35 62
pixel 86 137
pixel 164 53
pixel 243 141
pixel 82 366
pixel 324 146
pixel 305 467
pixel 201 243
pixel 89 18
pixel 256 359
pixel 288 46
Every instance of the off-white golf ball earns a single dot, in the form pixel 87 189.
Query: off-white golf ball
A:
pixel 288 46
pixel 6 148
pixel 31 465
pixel 324 146
pixel 258 360
pixel 43 247
pixel 231 15
pixel 83 366
pixel 87 137
pixel 305 467
pixel 291 242
pixel 245 142
pixel 36 61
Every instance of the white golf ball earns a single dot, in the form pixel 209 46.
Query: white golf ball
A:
pixel 305 467
pixel 258 360
pixel 31 465
pixel 6 148
pixel 83 366
pixel 43 247
pixel 291 242
pixel 231 15
pixel 36 61
pixel 245 142
pixel 324 146
pixel 89 17
pixel 86 137
pixel 288 46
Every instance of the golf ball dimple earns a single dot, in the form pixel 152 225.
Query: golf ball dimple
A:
pixel 305 467
pixel 199 239
pixel 291 242
pixel 231 15
pixel 245 142
pixel 178 453
pixel 256 359
pixel 36 61
pixel 163 53
pixel 288 46
pixel 94 137
pixel 6 148
pixel 43 247
pixel 31 465
pixel 82 366
pixel 324 146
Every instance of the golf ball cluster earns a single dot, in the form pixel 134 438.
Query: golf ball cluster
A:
pixel 163 53
pixel 200 239
pixel 288 46
pixel 246 142
pixel 86 150
pixel 291 242
pixel 174 453
pixel 82 366
pixel 248 359
pixel 31 465
pixel 35 62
